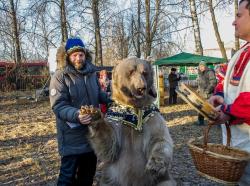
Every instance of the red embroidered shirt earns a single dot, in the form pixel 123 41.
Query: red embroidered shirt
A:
pixel 240 108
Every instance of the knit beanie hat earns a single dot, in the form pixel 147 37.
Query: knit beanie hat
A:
pixel 203 63
pixel 173 69
pixel 74 44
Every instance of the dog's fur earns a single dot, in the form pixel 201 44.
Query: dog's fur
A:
pixel 131 157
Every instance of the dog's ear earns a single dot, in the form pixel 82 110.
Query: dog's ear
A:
pixel 150 60
pixel 152 92
pixel 150 68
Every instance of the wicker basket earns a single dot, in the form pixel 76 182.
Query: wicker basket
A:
pixel 217 162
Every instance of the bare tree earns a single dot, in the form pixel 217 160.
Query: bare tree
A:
pixel 15 32
pixel 98 41
pixel 39 7
pixel 216 30
pixel 136 30
pixel 150 33
pixel 138 52
pixel 116 43
pixel 196 27
pixel 63 21
pixel 41 31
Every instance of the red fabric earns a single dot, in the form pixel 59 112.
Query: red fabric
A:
pixel 240 108
pixel 220 77
pixel 103 80
pixel 104 108
pixel 240 66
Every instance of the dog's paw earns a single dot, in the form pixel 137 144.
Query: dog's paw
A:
pixel 96 116
pixel 157 166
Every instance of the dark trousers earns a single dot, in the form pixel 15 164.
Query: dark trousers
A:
pixel 172 96
pixel 200 119
pixel 77 170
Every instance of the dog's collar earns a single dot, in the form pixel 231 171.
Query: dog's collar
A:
pixel 130 116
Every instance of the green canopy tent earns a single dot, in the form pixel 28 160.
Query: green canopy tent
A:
pixel 187 59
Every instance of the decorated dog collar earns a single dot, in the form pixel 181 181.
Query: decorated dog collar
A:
pixel 130 116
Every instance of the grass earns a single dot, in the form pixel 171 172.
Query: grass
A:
pixel 28 147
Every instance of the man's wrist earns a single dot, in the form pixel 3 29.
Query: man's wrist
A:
pixel 226 109
pixel 219 94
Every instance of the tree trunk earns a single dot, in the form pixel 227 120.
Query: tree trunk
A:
pixel 216 30
pixel 138 51
pixel 237 41
pixel 197 36
pixel 16 39
pixel 64 31
pixel 45 34
pixel 124 43
pixel 148 33
pixel 98 41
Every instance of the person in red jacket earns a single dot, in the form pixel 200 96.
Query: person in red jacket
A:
pixel 105 86
pixel 232 94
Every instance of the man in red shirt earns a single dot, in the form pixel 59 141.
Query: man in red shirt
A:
pixel 232 95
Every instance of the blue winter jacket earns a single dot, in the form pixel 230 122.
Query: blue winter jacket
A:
pixel 69 90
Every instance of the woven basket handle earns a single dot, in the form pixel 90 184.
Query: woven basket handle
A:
pixel 207 129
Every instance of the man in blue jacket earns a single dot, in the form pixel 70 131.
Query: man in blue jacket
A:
pixel 71 87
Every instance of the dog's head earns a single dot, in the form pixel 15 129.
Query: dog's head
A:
pixel 132 83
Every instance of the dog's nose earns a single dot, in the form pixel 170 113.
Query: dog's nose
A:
pixel 142 89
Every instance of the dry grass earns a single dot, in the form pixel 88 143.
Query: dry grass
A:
pixel 28 148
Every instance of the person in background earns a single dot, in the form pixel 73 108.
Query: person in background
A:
pixel 232 96
pixel 206 84
pixel 220 73
pixel 105 86
pixel 173 79
pixel 74 86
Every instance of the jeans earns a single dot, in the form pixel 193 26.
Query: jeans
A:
pixel 77 170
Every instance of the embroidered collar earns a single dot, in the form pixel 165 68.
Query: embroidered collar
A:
pixel 240 66
pixel 130 116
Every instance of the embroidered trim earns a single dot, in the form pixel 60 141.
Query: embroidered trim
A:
pixel 130 116
pixel 240 66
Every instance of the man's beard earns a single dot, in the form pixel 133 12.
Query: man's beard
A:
pixel 77 65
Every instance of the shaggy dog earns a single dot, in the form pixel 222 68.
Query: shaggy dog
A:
pixel 133 140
